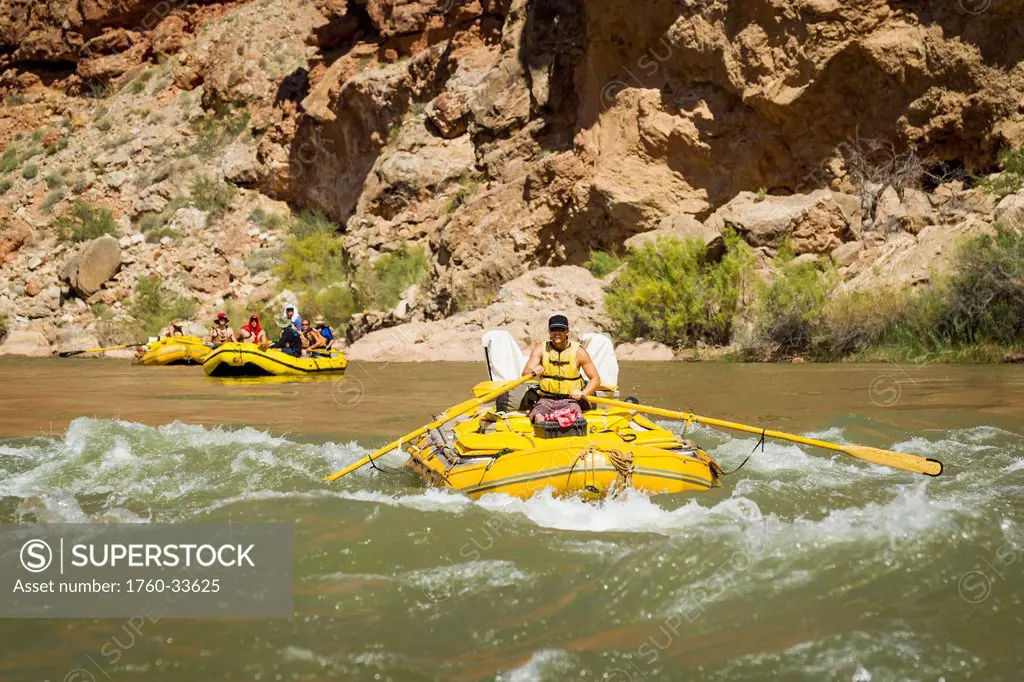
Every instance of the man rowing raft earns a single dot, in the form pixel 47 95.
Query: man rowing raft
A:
pixel 558 363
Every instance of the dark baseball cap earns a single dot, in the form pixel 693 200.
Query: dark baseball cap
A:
pixel 558 322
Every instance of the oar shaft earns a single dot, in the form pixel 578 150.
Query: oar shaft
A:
pixel 710 421
pixel 449 415
pixel 897 460
pixel 98 350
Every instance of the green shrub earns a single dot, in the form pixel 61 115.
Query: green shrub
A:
pixel 336 302
pixel 138 85
pixel 52 199
pixel 262 260
pixel 856 322
pixel 105 124
pixel 60 145
pixel 5 327
pixel 16 100
pixel 382 284
pixel 9 160
pixel 269 221
pixel 667 292
pixel 5 186
pixel 791 310
pixel 97 90
pixel 153 306
pixel 153 236
pixel 314 267
pixel 976 314
pixel 1011 180
pixel 83 222
pixel 54 180
pixel 30 171
pixel 983 301
pixel 467 188
pixel 311 260
pixel 31 153
pixel 156 222
pixel 309 222
pixel 602 264
pixel 212 195
pixel 214 132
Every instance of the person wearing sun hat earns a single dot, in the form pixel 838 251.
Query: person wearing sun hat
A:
pixel 290 341
pixel 221 332
pixel 326 333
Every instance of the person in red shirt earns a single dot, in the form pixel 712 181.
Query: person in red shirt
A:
pixel 252 332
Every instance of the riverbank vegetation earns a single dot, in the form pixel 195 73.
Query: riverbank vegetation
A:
pixel 312 264
pixel 150 310
pixel 668 293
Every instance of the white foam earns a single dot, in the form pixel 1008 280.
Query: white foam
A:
pixel 444 582
pixel 537 667
pixel 430 500
pixel 1016 465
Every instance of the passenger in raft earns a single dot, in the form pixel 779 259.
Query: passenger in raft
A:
pixel 175 328
pixel 252 331
pixel 326 333
pixel 311 339
pixel 290 341
pixel 292 314
pixel 558 363
pixel 221 332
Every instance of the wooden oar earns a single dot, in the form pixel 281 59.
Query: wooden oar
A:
pixel 450 414
pixel 69 353
pixel 896 460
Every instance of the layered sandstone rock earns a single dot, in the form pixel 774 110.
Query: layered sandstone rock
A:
pixel 502 135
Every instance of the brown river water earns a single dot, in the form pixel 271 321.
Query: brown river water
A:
pixel 806 565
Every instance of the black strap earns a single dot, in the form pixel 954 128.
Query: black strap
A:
pixel 759 443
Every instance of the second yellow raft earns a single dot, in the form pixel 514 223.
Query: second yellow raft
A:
pixel 248 359
pixel 173 350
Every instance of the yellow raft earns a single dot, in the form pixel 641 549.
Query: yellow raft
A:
pixel 173 350
pixel 503 452
pixel 248 359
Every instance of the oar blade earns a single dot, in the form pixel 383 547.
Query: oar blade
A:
pixel 69 353
pixel 896 460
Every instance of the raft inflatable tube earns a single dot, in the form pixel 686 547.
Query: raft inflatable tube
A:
pixel 503 452
pixel 248 360
pixel 174 350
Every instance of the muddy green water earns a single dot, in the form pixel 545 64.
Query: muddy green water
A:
pixel 805 566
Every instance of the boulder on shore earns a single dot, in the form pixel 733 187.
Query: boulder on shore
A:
pixel 815 222
pixel 27 342
pixel 93 265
